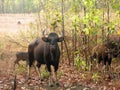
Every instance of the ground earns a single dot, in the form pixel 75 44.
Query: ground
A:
pixel 70 78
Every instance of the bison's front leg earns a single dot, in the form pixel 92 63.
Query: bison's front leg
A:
pixel 57 83
pixel 98 65
pixel 50 78
pixel 29 68
pixel 39 72
pixel 109 63
pixel 56 68
pixel 16 62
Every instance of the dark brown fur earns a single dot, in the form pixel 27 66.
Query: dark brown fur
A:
pixel 45 50
pixel 114 40
pixel 21 56
pixel 103 54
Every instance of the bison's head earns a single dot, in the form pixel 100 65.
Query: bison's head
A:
pixel 52 39
pixel 113 46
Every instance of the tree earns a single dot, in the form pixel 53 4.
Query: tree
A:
pixel 1 6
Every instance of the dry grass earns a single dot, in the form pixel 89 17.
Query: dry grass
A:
pixel 9 25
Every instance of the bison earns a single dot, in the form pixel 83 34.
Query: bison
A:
pixel 21 56
pixel 46 51
pixel 106 51
pixel 103 54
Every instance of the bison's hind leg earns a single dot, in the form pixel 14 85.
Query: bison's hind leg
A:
pixel 16 62
pixel 99 64
pixel 109 64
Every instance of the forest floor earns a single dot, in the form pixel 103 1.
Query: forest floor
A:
pixel 70 78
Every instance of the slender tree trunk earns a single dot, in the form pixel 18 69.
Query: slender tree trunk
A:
pixel 72 44
pixel 62 11
pixel 62 52
pixel 63 33
pixel 108 18
pixel 85 39
pixel 75 37
pixel 103 33
pixel 74 41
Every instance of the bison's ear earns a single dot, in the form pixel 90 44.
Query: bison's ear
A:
pixel 45 39
pixel 60 39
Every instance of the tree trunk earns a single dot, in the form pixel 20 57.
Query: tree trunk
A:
pixel 108 18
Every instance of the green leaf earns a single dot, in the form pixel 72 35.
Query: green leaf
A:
pixel 86 31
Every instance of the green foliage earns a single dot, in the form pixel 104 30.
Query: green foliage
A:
pixel 116 5
pixel 95 76
pixel 21 6
pixel 21 69
pixel 86 30
pixel 56 20
pixel 76 21
pixel 76 6
pixel 1 46
pixel 45 74
pixel 111 25
pixel 92 22
pixel 80 63
pixel 89 4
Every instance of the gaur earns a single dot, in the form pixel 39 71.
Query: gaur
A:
pixel 103 54
pixel 21 56
pixel 46 51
